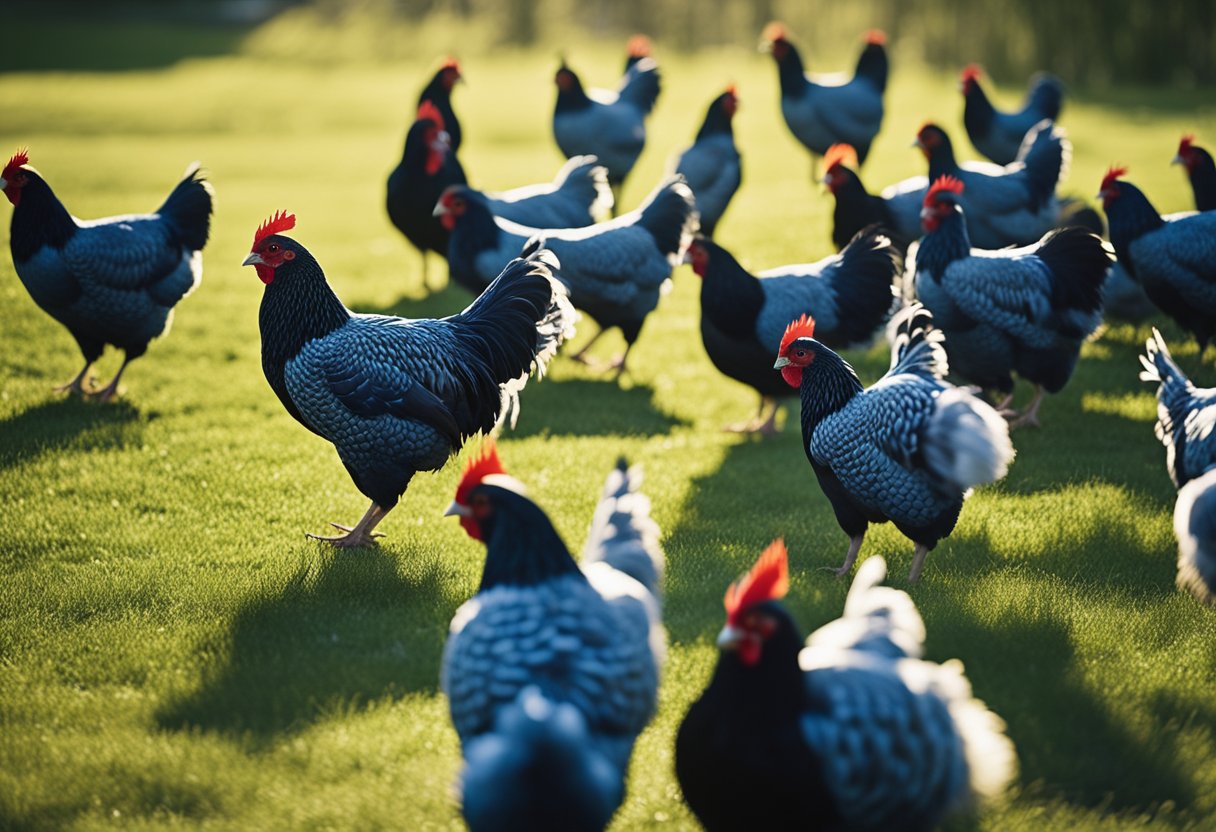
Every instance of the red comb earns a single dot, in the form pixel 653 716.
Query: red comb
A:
pixel 1184 146
pixel 944 184
pixel 768 580
pixel 477 469
pixel 638 46
pixel 732 90
pixel 775 31
pixel 21 157
pixel 876 37
pixel 281 221
pixel 427 111
pixel 450 63
pixel 840 154
pixel 804 327
pixel 972 72
pixel 1111 175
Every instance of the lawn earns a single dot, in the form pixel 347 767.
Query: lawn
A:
pixel 175 654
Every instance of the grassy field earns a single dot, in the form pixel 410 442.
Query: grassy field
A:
pixel 175 654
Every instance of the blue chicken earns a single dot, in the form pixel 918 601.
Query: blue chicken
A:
pixel 396 396
pixel 998 135
pixel 1025 311
pixel 1186 425
pixel 109 281
pixel 1200 172
pixel 552 669
pixel 907 449
pixel 711 165
pixel 577 197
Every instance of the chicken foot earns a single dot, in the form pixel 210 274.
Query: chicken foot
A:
pixel 360 534
pixel 77 385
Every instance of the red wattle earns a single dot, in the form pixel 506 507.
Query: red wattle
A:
pixel 265 272
pixel 448 221
pixel 792 375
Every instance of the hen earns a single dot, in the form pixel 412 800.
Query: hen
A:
pixel 428 165
pixel 438 91
pixel 711 165
pixel 552 669
pixel 1186 425
pixel 578 196
pixel 743 316
pixel 852 731
pixel 615 270
pixel 823 111
pixel 999 135
pixel 896 209
pixel 1006 206
pixel 608 125
pixel 907 449
pixel 396 396
pixel 1200 172
pixel 1024 310
pixel 1173 258
pixel 109 281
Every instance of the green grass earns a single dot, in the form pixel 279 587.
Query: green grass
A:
pixel 174 653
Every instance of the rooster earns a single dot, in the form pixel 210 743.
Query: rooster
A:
pixel 577 197
pixel 438 91
pixel 1200 171
pixel 396 396
pixel 853 730
pixel 606 124
pixel 1186 425
pixel 552 669
pixel 427 166
pixel 109 281
pixel 1024 311
pixel 907 449
pixel 896 209
pixel 999 135
pixel 615 270
pixel 1173 258
pixel 743 316
pixel 1006 206
pixel 711 165
pixel 824 111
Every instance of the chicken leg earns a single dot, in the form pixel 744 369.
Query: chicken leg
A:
pixel 850 558
pixel 759 424
pixel 111 390
pixel 359 535
pixel 581 355
pixel 76 385
pixel 918 563
pixel 1030 416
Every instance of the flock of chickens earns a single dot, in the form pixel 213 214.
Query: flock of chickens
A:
pixel 980 271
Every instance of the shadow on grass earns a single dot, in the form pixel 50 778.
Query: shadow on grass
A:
pixel 69 423
pixel 348 628
pixel 585 407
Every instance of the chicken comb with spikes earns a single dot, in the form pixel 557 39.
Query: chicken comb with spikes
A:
pixel 775 31
pixel 427 111
pixel 1184 146
pixel 21 157
pixel 1111 175
pixel 768 580
pixel 638 47
pixel 840 154
pixel 943 184
pixel 803 327
pixel 477 469
pixel 972 72
pixel 280 221
pixel 876 37
pixel 450 63
pixel 732 89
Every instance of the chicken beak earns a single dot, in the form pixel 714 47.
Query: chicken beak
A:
pixel 1177 160
pixel 457 510
pixel 4 182
pixel 254 259
pixel 781 361
pixel 925 213
pixel 730 638
pixel 440 209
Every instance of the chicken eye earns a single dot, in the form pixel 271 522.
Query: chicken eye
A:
pixel 800 353
pixel 272 248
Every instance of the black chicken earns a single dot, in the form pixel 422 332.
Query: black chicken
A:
pixel 438 91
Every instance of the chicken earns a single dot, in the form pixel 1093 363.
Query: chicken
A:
pixel 109 281
pixel 1186 425
pixel 896 209
pixel 1200 171
pixel 853 731
pixel 1024 310
pixel 1010 206
pixel 615 270
pixel 438 91
pixel 552 669
pixel 711 165
pixel 823 111
pixel 577 197
pixel 743 316
pixel 606 124
pixel 999 135
pixel 1174 259
pixel 427 166
pixel 396 396
pixel 907 449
